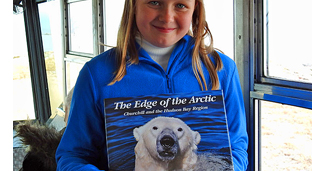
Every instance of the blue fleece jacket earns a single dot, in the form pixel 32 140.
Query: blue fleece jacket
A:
pixel 83 146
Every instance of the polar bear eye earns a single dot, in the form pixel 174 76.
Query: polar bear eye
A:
pixel 180 129
pixel 155 127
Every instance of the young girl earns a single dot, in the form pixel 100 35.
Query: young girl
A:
pixel 156 53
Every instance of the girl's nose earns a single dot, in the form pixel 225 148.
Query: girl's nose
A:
pixel 166 15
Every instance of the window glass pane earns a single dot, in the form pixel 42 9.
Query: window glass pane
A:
pixel 288 39
pixel 113 13
pixel 221 26
pixel 50 20
pixel 23 107
pixel 80 27
pixel 72 72
pixel 286 137
pixel 219 16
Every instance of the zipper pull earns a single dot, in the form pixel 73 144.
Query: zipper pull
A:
pixel 168 83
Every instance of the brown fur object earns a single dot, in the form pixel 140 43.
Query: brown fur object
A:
pixel 42 142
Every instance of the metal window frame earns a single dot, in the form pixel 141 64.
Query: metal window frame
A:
pixel 36 61
pixel 249 57
pixel 274 89
pixel 98 35
pixel 97 21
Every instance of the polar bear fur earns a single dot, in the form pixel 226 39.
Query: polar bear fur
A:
pixel 165 143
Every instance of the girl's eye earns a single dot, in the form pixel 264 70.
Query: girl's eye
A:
pixel 181 6
pixel 154 3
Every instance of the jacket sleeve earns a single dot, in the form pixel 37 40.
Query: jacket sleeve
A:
pixel 83 142
pixel 236 117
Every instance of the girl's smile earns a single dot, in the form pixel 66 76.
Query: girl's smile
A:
pixel 164 30
pixel 164 22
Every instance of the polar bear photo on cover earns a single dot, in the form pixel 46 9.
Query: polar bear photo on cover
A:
pixel 165 143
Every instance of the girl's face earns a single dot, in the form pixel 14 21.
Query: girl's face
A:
pixel 164 22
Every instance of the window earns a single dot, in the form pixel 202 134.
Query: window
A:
pixel 113 14
pixel 50 22
pixel 84 34
pixel 80 26
pixel 286 133
pixel 288 40
pixel 219 16
pixel 23 107
pixel 280 90
pixel 73 66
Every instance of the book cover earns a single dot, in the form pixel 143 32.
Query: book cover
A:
pixel 183 131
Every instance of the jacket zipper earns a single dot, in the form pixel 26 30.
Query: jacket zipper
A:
pixel 169 84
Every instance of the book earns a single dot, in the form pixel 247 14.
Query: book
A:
pixel 180 131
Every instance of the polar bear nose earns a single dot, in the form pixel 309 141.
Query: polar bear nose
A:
pixel 167 141
pixel 167 138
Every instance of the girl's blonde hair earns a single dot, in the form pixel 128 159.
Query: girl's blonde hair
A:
pixel 126 45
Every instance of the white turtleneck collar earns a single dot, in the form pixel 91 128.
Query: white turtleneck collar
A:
pixel 158 54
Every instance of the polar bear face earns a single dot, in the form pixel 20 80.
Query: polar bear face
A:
pixel 165 138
